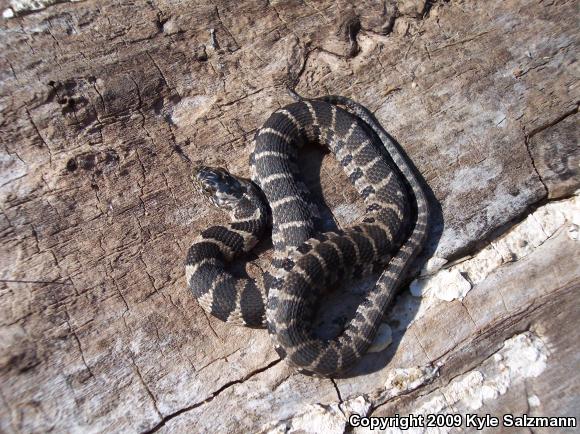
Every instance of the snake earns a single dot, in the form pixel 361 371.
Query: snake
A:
pixel 305 261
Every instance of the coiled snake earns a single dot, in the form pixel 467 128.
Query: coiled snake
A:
pixel 306 262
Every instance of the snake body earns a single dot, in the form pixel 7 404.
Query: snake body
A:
pixel 306 262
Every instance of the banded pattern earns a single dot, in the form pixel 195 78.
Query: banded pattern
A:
pixel 306 262
pixel 232 299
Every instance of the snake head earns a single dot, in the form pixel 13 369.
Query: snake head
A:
pixel 222 188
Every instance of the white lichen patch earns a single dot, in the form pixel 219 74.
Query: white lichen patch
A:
pixel 454 283
pixel 522 357
pixel 21 6
pixel 319 418
pixel 467 389
pixel 482 264
pixel 383 339
pixel 359 405
pixel 403 380
pixel 446 285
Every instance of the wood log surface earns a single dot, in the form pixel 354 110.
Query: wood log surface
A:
pixel 100 101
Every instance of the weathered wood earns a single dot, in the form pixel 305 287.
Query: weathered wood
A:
pixel 98 102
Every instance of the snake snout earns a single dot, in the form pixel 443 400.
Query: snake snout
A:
pixel 205 180
pixel 222 188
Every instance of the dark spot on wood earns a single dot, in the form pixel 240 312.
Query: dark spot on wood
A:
pixel 158 105
pixel 86 161
pixel 71 165
pixel 200 54
pixel 111 157
pixel 100 162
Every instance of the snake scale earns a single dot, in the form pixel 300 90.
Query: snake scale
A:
pixel 306 262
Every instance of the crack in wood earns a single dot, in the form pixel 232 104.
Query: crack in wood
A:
pixel 213 395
